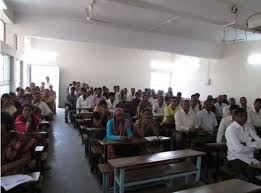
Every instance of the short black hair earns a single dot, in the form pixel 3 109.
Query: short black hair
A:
pixel 233 107
pixel 111 94
pixel 258 100
pixel 102 102
pixel 239 110
pixel 5 95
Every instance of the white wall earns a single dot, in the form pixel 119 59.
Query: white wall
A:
pixel 92 33
pixel 231 75
pixel 101 65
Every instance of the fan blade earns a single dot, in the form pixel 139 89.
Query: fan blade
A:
pixel 99 21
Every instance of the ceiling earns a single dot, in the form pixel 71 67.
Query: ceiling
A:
pixel 201 20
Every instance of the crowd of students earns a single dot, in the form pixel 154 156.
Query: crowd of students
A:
pixel 21 115
pixel 127 115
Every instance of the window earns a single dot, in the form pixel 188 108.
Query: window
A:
pixel 5 84
pixel 160 76
pixel 254 59
pixel 17 73
pixel 2 31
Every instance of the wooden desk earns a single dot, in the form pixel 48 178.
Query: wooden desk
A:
pixel 134 141
pixel 91 132
pixel 217 149
pixel 120 165
pixel 229 186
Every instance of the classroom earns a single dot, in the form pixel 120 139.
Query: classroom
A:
pixel 136 96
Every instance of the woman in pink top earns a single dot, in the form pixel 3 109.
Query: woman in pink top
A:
pixel 26 122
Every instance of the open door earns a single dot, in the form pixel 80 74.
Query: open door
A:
pixel 38 74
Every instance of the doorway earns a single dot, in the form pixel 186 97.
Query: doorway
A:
pixel 38 74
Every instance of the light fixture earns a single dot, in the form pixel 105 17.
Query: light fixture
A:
pixel 2 4
pixel 254 59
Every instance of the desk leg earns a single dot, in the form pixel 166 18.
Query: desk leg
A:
pixel 119 180
pixel 198 166
pixel 105 151
pixel 115 185
pixel 122 173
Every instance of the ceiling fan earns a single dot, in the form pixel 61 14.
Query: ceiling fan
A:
pixel 89 13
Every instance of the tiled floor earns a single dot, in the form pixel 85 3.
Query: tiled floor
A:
pixel 70 171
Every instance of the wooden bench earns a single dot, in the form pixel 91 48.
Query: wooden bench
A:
pixel 134 141
pixel 145 174
pixel 122 165
pixel 229 186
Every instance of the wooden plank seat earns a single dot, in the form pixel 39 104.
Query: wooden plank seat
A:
pixel 147 175
pixel 123 165
pixel 229 186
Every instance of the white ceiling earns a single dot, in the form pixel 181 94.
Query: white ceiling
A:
pixel 201 20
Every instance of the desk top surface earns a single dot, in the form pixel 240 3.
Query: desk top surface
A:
pixel 229 186
pixel 95 129
pixel 133 141
pixel 151 159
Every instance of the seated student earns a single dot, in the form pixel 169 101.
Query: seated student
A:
pixel 219 107
pixel 144 104
pixel 132 95
pixel 167 100
pixel 6 104
pixel 179 98
pixel 254 115
pixel 15 103
pixel 145 125
pixel 20 95
pixel 194 106
pixel 26 122
pixel 48 99
pixel 111 102
pixel 225 99
pixel 45 110
pixel 70 103
pixel 15 152
pixel 185 121
pixel 101 115
pixel 242 142
pixel 231 102
pixel 97 98
pixel 169 93
pixel 206 119
pixel 170 110
pixel 134 104
pixel 243 103
pixel 225 122
pixel 122 96
pixel 158 106
pixel 118 129
pixel 53 94
pixel 27 100
pixel 83 102
pixel 197 95
pixel 106 92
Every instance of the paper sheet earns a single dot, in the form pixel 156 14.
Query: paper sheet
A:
pixel 9 182
pixel 39 148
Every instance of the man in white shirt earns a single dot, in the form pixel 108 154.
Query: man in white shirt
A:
pixel 226 111
pixel 254 116
pixel 47 83
pixel 83 102
pixel 185 121
pixel 242 141
pixel 132 95
pixel 45 110
pixel 97 98
pixel 225 122
pixel 194 105
pixel 111 102
pixel 206 119
pixel 219 107
pixel 243 103
pixel 158 106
